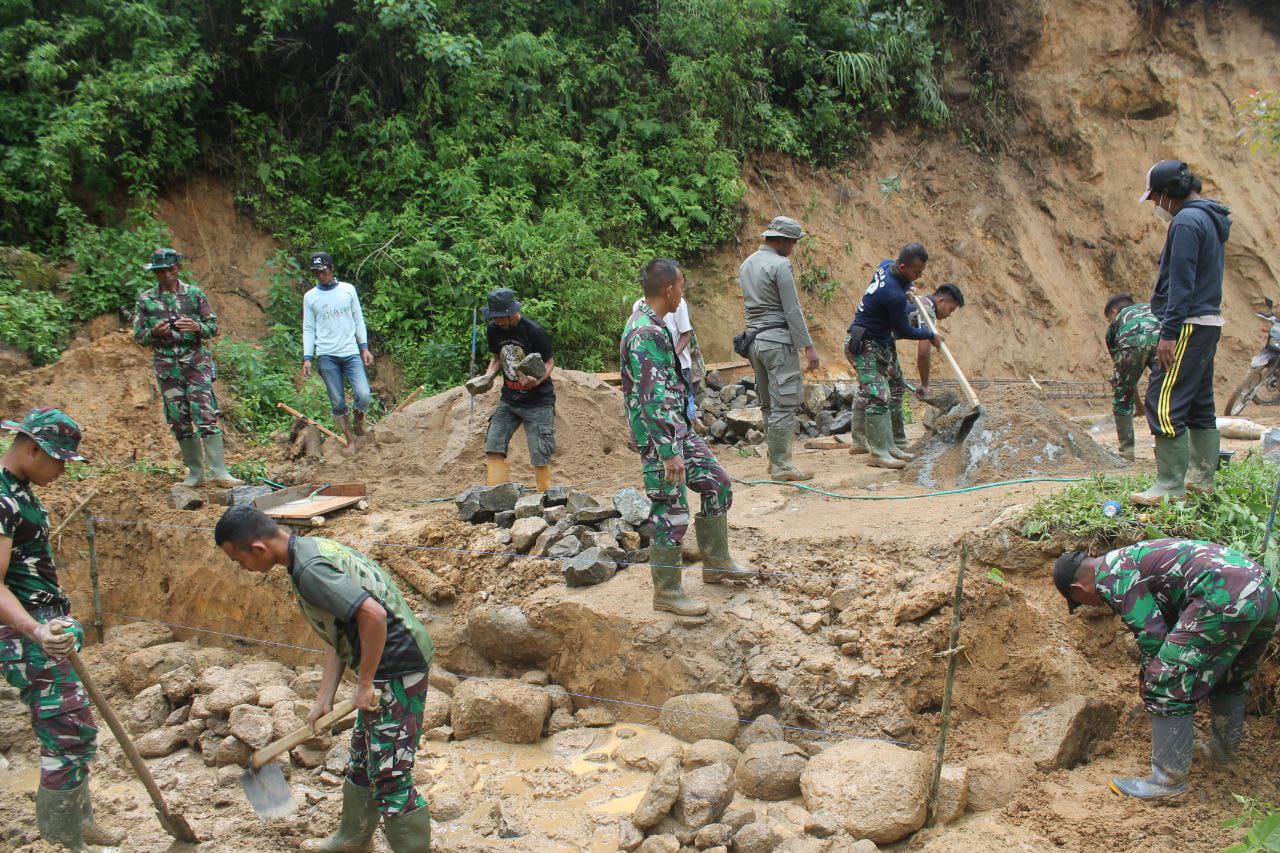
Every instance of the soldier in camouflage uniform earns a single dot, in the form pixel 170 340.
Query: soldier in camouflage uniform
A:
pixel 356 608
pixel 654 392
pixel 1132 335
pixel 175 320
pixel 37 631
pixel 1203 615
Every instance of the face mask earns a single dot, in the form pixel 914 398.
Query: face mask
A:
pixel 1163 215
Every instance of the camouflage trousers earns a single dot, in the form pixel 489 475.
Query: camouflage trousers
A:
pixel 383 745
pixel 60 714
pixel 880 380
pixel 1128 365
pixel 669 509
pixel 186 391
pixel 1209 652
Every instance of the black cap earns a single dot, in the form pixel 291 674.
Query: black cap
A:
pixel 1161 176
pixel 502 303
pixel 1064 575
pixel 320 260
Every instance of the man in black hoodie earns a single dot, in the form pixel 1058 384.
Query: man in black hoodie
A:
pixel 1187 301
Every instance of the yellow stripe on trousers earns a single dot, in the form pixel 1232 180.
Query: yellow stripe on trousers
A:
pixel 1163 414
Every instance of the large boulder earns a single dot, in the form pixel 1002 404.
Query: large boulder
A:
pixel 158 743
pixel 147 711
pixel 995 778
pixel 504 634
pixel 229 694
pixel 660 796
pixel 647 751
pixel 704 795
pixel 877 790
pixel 633 505
pixel 771 770
pixel 708 751
pixel 694 716
pixel 525 531
pixel 251 724
pixel 262 673
pixel 592 566
pixel 953 794
pixel 762 729
pixel 509 711
pixel 138 635
pixel 144 667
pixel 1061 737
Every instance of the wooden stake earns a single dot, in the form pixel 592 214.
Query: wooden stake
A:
pixel 324 429
pixel 952 653
pixel 407 400
pixel 84 502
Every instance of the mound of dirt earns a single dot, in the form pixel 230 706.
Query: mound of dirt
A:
pixel 1018 434
pixel 435 447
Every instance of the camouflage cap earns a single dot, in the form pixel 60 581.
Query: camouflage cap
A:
pixel 1064 575
pixel 56 433
pixel 163 259
pixel 783 226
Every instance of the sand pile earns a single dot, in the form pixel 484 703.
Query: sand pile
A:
pixel 1018 435
pixel 435 447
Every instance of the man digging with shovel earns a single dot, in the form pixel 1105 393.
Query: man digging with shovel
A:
pixel 356 608
pixel 37 631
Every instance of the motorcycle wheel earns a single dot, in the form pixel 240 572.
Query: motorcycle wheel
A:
pixel 1245 391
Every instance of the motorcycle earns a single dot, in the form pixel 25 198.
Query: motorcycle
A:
pixel 1262 383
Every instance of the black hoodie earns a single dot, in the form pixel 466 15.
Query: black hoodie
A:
pixel 1190 280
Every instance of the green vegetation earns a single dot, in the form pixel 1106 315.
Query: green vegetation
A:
pixel 1234 515
pixel 1261 821
pixel 1259 112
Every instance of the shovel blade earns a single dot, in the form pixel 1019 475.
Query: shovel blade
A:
pixel 176 825
pixel 268 792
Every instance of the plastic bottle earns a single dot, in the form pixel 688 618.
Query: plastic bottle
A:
pixel 1111 509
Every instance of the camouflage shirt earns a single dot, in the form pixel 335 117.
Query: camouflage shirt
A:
pixel 653 389
pixel 331 581
pixel 1149 585
pixel 155 305
pixel 31 576
pixel 1134 326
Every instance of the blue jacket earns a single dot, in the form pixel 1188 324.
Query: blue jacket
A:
pixel 883 311
pixel 1189 283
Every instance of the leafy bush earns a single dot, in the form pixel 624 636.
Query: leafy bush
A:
pixel 1259 112
pixel 1261 821
pixel 36 322
pixel 263 375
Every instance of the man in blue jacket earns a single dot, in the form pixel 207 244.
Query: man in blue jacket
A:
pixel 1187 301
pixel 883 313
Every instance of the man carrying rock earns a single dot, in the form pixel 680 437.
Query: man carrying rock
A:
pixel 334 334
pixel 1132 335
pixel 356 608
pixel 522 353
pixel 776 327
pixel 37 631
pixel 175 320
pixel 1187 301
pixel 654 392
pixel 883 314
pixel 1203 615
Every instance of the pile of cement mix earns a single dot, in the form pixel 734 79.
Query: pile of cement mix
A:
pixel 1017 435
pixel 435 447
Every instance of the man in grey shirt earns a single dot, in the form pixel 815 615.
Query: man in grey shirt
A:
pixel 776 319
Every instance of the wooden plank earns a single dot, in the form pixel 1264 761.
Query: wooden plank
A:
pixel 295 493
pixel 615 378
pixel 312 506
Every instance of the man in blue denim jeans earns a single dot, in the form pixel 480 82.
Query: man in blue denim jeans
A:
pixel 333 332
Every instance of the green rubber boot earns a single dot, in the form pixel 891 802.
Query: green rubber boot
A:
pixel 409 832
pixel 359 822
pixel 879 439
pixel 668 595
pixel 858 432
pixel 1124 433
pixel 193 458
pixel 59 815
pixel 780 465
pixel 898 447
pixel 90 830
pixel 1204 445
pixel 213 454
pixel 1172 739
pixel 713 540
pixel 1171 471
pixel 1226 718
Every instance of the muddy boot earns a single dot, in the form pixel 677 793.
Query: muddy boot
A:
pixel 664 568
pixel 1226 716
pixel 858 432
pixel 193 458
pixel 359 821
pixel 358 429
pixel 89 828
pixel 879 439
pixel 542 476
pixel 780 464
pixel 344 424
pixel 59 817
pixel 1171 471
pixel 898 447
pixel 497 470
pixel 713 541
pixel 1202 461
pixel 409 832
pixel 1171 742
pixel 213 455
pixel 1124 432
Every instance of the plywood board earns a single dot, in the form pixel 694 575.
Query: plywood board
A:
pixel 309 507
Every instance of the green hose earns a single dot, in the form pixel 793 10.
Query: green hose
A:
pixel 995 485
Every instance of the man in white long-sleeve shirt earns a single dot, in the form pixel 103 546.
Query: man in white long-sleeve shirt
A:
pixel 333 334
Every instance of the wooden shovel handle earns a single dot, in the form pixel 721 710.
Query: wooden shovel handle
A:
pixel 946 353
pixel 407 400
pixel 324 429
pixel 298 736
